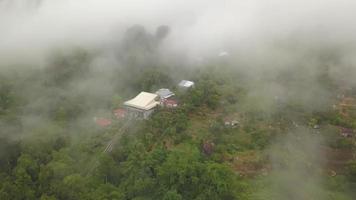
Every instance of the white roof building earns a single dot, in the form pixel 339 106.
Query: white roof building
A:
pixel 186 84
pixel 143 101
pixel 223 54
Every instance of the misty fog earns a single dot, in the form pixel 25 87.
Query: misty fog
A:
pixel 201 27
pixel 282 49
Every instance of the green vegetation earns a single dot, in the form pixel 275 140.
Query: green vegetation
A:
pixel 231 137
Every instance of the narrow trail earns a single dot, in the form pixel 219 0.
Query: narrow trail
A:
pixel 109 147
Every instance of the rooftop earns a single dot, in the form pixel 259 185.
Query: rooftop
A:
pixel 103 122
pixel 185 83
pixel 144 101
pixel 164 93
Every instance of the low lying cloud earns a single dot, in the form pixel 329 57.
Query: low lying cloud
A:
pixel 282 47
pixel 31 27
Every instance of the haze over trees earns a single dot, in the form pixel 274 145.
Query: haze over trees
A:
pixel 271 115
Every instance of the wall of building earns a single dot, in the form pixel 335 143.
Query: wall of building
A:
pixel 134 113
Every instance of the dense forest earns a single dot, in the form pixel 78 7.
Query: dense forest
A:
pixel 268 120
pixel 281 147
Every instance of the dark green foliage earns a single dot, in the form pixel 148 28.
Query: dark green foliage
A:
pixel 108 171
pixel 172 195
pixel 6 96
pixel 9 153
pixel 60 154
pixel 185 172
pixel 168 123
pixel 106 192
pixel 261 139
pixel 66 67
pixel 152 79
pixel 205 93
pixel 338 120
pixel 46 197
pixel 351 170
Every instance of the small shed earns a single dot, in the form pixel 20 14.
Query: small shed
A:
pixel 346 132
pixel 186 84
pixel 164 93
pixel 223 54
pixel 231 123
pixel 170 103
pixel 232 120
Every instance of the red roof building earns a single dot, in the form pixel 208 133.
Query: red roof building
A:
pixel 346 132
pixel 103 122
pixel 120 113
pixel 170 103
